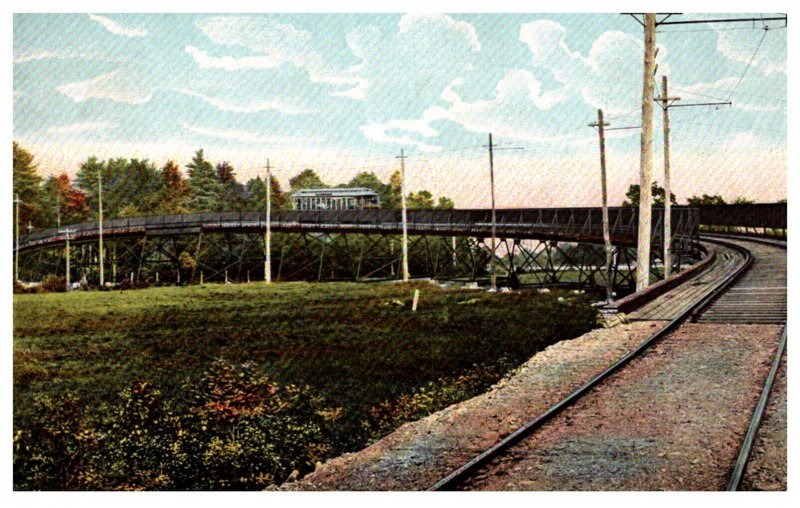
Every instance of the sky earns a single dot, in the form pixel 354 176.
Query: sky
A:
pixel 343 93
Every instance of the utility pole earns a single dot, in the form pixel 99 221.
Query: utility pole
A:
pixel 16 230
pixel 268 233
pixel 646 159
pixel 494 216
pixel 492 265
pixel 645 176
pixel 100 202
pixel 666 100
pixel 606 234
pixel 402 158
pixel 58 209
pixel 68 232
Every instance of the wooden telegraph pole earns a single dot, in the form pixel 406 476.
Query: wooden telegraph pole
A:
pixel 402 158
pixel 666 100
pixel 492 266
pixel 16 231
pixel 603 185
pixel 646 160
pixel 68 233
pixel 100 246
pixel 268 232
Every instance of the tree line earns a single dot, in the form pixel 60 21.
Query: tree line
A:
pixel 134 187
pixel 659 197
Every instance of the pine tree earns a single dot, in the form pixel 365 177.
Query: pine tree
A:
pixel 203 184
pixel 231 194
pixel 26 186
pixel 86 180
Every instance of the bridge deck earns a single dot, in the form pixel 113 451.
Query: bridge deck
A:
pixel 557 224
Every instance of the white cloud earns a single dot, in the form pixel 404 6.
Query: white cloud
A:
pixel 740 45
pixel 43 55
pixel 117 29
pixel 281 42
pixel 77 128
pixel 746 96
pixel 114 86
pixel 411 23
pixel 243 136
pixel 427 47
pixel 251 107
pixel 597 77
pixel 276 43
pixel 229 63
pixel 518 110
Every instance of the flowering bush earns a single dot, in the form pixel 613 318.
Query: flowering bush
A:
pixel 239 431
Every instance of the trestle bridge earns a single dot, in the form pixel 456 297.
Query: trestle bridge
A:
pixel 550 246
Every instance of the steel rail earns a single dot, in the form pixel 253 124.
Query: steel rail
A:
pixel 755 422
pixel 468 469
pixel 742 459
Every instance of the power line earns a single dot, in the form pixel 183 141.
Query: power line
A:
pixel 748 65
pixel 717 29
pixel 738 93
pixel 698 94
pixel 759 129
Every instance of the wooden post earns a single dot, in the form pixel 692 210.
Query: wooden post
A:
pixel 69 283
pixel 100 223
pixel 416 301
pixel 402 158
pixel 16 232
pixel 604 189
pixel 646 159
pixel 492 267
pixel 268 233
pixel 665 103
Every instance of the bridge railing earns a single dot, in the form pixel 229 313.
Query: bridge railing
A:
pixel 758 215
pixel 577 224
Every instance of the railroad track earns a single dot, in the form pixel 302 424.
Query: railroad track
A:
pixel 753 291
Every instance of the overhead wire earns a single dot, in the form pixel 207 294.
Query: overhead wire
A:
pixel 752 58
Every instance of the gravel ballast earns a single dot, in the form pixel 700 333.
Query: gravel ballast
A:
pixel 673 419
pixel 766 469
pixel 419 453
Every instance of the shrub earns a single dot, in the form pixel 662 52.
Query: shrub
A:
pixel 239 431
pixel 54 284
pixel 433 396
pixel 20 289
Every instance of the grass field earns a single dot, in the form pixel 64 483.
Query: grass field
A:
pixel 352 344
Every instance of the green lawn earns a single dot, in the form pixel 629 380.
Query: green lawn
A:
pixel 351 343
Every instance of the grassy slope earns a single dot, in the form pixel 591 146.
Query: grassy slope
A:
pixel 342 339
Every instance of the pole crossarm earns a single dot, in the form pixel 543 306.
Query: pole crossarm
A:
pixel 667 15
pixel 726 103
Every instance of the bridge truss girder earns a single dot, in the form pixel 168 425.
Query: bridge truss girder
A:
pixel 325 256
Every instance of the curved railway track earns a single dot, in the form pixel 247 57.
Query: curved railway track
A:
pixel 752 290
